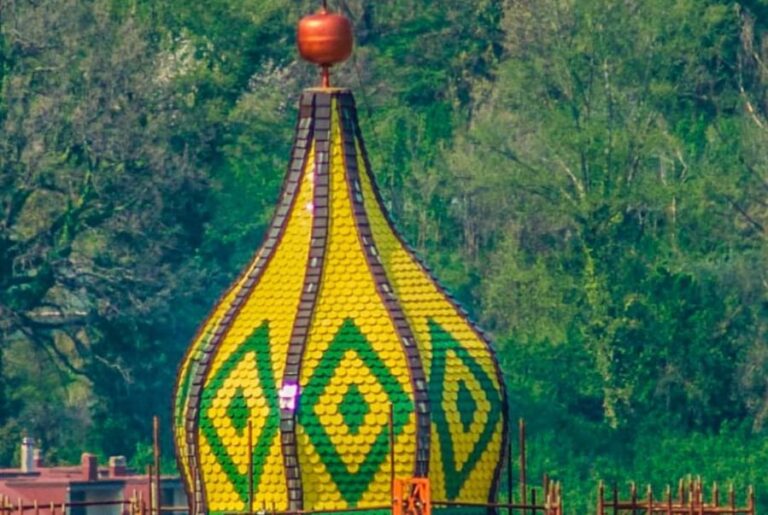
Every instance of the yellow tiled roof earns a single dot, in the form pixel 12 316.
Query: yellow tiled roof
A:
pixel 333 324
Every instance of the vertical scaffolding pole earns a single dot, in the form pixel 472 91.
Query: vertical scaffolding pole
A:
pixel 649 495
pixel 391 451
pixel 509 474
pixel 151 485
pixel 156 452
pixel 600 498
pixel 250 466
pixel 522 461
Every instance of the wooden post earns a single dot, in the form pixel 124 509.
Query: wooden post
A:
pixel 391 422
pixel 600 497
pixel 691 488
pixel 691 496
pixel 732 498
pixel 20 506
pixel 522 460
pixel 615 499
pixel 669 499
pixel 509 475
pixel 751 505
pixel 650 500
pixel 681 492
pixel 633 495
pixel 150 480
pixel 36 507
pixel 700 496
pixel 156 452
pixel 250 466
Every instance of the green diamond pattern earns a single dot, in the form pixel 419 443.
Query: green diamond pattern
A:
pixel 353 409
pixel 352 485
pixel 466 405
pixel 442 342
pixel 237 410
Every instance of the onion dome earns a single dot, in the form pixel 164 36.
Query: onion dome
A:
pixel 333 334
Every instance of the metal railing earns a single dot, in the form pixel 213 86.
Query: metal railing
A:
pixel 132 506
pixel 550 504
pixel 690 499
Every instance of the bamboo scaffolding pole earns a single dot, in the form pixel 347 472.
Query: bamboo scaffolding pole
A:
pixel 250 466
pixel 391 433
pixel 150 494
pixel 521 435
pixel 156 454
pixel 509 474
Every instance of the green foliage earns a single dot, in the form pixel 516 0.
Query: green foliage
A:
pixel 610 184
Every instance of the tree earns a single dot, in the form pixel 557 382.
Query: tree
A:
pixel 599 176
pixel 100 198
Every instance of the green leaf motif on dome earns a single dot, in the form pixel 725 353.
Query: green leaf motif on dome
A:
pixel 353 409
pixel 443 343
pixel 352 485
pixel 238 412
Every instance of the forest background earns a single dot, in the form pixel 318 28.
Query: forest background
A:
pixel 589 177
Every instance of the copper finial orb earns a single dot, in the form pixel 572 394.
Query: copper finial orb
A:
pixel 325 38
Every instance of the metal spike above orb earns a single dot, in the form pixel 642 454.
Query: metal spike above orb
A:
pixel 334 337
